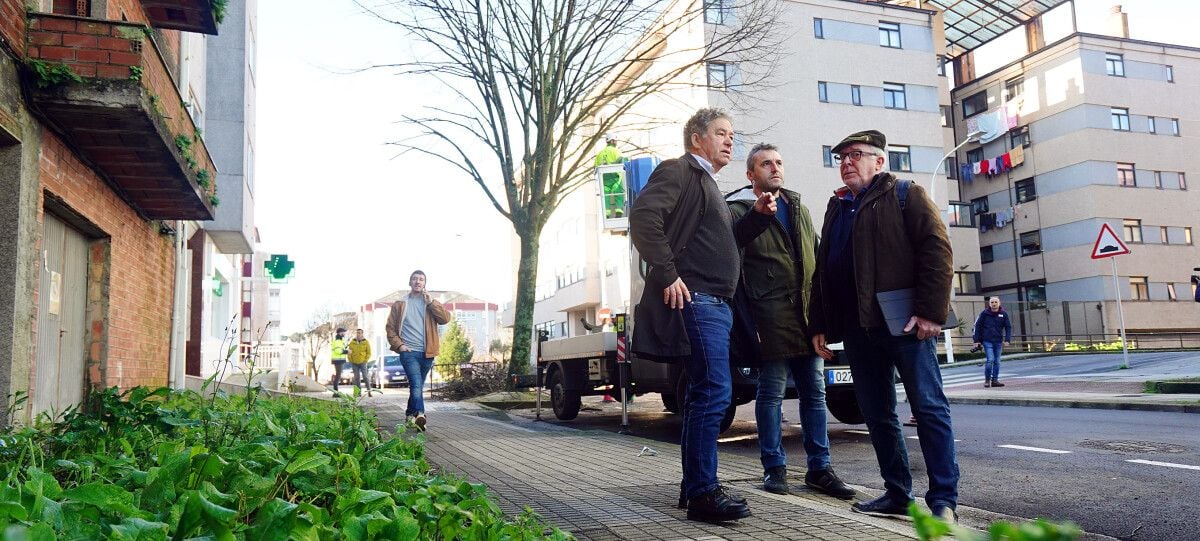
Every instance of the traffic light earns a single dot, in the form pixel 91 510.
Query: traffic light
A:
pixel 279 267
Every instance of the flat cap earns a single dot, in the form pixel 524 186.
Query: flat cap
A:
pixel 867 137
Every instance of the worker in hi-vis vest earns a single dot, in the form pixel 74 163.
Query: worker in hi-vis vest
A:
pixel 338 353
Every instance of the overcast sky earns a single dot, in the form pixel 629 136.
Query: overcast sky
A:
pixel 356 218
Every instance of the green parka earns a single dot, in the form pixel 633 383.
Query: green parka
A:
pixel 777 271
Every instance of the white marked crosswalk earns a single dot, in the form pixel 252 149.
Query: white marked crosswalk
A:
pixel 1165 464
pixel 1035 449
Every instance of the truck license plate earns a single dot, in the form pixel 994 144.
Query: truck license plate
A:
pixel 833 377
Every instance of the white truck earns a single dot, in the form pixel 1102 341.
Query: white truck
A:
pixel 586 365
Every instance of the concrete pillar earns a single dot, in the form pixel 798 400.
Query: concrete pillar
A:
pixel 1118 22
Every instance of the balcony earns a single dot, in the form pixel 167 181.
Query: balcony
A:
pixel 199 16
pixel 105 88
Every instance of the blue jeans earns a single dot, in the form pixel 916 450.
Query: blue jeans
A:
pixel 708 320
pixel 875 356
pixel 991 368
pixel 416 366
pixel 808 372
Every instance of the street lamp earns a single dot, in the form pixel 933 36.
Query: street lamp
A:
pixel 971 137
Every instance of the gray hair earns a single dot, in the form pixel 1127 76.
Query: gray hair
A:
pixel 699 122
pixel 761 147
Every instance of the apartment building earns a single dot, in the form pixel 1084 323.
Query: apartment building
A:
pixel 842 66
pixel 100 161
pixel 1106 126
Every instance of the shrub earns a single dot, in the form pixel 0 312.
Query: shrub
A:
pixel 485 378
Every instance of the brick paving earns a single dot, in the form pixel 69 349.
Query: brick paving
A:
pixel 593 483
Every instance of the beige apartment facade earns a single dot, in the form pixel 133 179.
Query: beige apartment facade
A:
pixel 842 66
pixel 1107 128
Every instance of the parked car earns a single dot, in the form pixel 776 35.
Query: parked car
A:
pixel 392 374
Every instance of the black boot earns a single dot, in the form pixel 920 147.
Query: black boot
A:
pixel 716 505
pixel 775 480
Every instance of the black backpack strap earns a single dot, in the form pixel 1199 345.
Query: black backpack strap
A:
pixel 902 193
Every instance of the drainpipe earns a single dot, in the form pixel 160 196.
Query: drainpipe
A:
pixel 179 317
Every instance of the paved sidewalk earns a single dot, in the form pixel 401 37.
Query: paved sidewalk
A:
pixel 595 485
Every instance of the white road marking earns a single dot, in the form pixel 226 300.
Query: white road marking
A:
pixel 918 438
pixel 1035 449
pixel 863 432
pixel 1165 464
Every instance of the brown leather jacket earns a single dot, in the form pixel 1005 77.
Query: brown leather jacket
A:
pixel 892 250
pixel 435 314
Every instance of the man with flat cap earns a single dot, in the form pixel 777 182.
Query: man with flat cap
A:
pixel 883 235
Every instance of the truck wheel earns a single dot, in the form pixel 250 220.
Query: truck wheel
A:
pixel 566 403
pixel 670 402
pixel 844 406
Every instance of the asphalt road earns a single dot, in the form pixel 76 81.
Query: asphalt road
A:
pixel 1126 474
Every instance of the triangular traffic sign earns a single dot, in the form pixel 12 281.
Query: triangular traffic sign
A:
pixel 1108 244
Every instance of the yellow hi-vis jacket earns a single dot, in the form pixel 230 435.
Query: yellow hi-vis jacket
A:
pixel 360 351
pixel 337 349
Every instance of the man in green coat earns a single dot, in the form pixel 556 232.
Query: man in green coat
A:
pixel 778 245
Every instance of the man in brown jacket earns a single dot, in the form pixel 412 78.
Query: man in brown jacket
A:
pixel 880 235
pixel 412 331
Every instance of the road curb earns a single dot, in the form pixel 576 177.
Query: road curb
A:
pixel 1082 404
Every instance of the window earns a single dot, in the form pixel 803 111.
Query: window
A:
pixel 945 109
pixel 889 35
pixel 961 216
pixel 966 283
pixel 1132 230
pixel 1150 124
pixel 1187 235
pixel 1036 296
pixel 1174 126
pixel 1019 137
pixel 1182 181
pixel 974 104
pixel 1170 74
pixel 986 255
pixel 979 205
pixel 856 94
pixel 1120 119
pixel 1171 296
pixel 1162 235
pixel 1114 64
pixel 941 66
pixel 974 156
pixel 562 329
pixel 893 96
pixel 952 168
pixel 1139 288
pixel 715 11
pixel 718 75
pixel 1031 243
pixel 1026 190
pixel 1013 89
pixel 899 158
pixel 819 28
pixel 822 91
pixel 1158 180
pixel 827 156
pixel 1126 176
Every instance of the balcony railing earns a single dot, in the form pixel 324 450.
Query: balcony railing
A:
pixel 104 86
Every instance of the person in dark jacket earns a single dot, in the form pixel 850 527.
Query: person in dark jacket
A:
pixel 682 229
pixel 873 242
pixel 778 255
pixel 993 331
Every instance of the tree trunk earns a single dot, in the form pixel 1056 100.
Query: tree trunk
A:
pixel 526 288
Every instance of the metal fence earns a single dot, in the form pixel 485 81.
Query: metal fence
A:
pixel 1064 326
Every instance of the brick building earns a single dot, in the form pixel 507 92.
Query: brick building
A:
pixel 101 159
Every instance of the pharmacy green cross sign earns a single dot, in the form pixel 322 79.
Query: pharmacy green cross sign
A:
pixel 279 267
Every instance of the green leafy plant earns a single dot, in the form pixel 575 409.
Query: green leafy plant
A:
pixel 214 200
pixel 135 73
pixel 931 528
pixel 219 7
pixel 50 74
pixel 203 179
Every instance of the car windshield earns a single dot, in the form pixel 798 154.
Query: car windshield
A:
pixel 391 360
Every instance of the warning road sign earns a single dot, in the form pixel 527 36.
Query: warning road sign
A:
pixel 1108 244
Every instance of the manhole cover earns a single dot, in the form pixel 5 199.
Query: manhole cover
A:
pixel 1125 446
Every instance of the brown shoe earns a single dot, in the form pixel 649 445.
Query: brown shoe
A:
pixel 997 384
pixel 987 383
pixel 421 422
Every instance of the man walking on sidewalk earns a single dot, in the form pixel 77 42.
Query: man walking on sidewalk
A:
pixel 778 243
pixel 682 229
pixel 412 331
pixel 360 355
pixel 885 235
pixel 993 331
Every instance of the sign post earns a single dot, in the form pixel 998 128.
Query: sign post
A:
pixel 623 373
pixel 1109 245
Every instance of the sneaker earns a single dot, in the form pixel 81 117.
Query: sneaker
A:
pixel 683 499
pixel 997 384
pixel 827 481
pixel 716 505
pixel 987 383
pixel 945 514
pixel 420 420
pixel 775 480
pixel 883 506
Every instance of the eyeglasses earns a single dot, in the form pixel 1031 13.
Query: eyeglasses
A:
pixel 853 155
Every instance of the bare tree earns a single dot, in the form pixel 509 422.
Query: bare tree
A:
pixel 538 83
pixel 316 337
